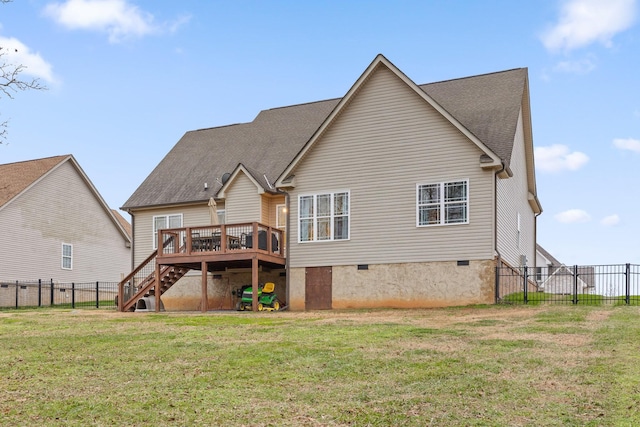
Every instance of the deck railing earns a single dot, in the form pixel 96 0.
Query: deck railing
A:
pixel 223 238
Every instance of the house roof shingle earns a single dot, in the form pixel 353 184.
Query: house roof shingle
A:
pixel 266 144
pixel 126 225
pixel 487 105
pixel 16 177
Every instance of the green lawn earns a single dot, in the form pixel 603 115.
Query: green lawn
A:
pixel 536 298
pixel 472 366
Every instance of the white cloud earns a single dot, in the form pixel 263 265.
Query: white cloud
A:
pixel 583 22
pixel 118 18
pixel 573 216
pixel 610 221
pixel 627 144
pixel 582 66
pixel 179 22
pixel 17 53
pixel 557 157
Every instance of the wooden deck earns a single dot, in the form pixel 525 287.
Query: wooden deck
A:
pixel 208 248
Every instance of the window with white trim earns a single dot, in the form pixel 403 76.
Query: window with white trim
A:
pixel 161 222
pixel 67 256
pixel 442 203
pixel 323 217
pixel 281 216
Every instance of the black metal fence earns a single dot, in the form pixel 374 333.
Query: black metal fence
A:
pixel 47 293
pixel 617 284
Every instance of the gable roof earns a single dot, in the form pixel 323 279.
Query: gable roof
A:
pixel 554 262
pixel 18 177
pixel 485 108
pixel 586 273
pixel 468 109
pixel 261 182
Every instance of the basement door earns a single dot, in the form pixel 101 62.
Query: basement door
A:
pixel 317 288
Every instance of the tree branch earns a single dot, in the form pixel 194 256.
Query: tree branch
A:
pixel 11 83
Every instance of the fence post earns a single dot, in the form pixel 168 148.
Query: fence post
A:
pixel 526 284
pixel 97 295
pixel 627 285
pixel 575 284
pixel 39 292
pixel 17 297
pixel 51 301
pixel 73 295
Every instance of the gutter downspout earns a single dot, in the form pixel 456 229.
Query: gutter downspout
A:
pixel 495 233
pixel 287 203
pixel 495 214
pixel 535 245
pixel 133 239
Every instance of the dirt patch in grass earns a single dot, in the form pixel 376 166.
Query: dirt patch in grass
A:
pixel 457 366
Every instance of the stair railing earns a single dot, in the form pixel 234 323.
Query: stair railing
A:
pixel 141 277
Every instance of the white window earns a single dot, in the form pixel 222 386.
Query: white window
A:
pixel 323 216
pixel 222 216
pixel 281 216
pixel 67 256
pixel 161 222
pixel 442 203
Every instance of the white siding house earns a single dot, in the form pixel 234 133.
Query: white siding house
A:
pixel 56 226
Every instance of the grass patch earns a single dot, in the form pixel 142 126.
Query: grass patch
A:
pixel 537 298
pixel 622 300
pixel 544 365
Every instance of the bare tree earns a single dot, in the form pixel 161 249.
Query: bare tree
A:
pixel 11 81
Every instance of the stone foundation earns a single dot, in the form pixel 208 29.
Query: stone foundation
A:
pixel 406 285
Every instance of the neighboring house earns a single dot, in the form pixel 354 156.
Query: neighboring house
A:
pixel 55 225
pixel 395 195
pixel 553 277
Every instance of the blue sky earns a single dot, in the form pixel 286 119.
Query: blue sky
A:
pixel 127 78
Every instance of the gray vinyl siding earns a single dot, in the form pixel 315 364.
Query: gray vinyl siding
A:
pixel 387 140
pixel 243 202
pixel 61 208
pixel 192 216
pixel 511 200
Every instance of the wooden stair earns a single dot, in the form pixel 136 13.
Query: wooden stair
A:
pixel 143 280
pixel 168 276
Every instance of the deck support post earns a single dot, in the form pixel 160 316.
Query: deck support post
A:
pixel 156 288
pixel 254 280
pixel 205 299
pixel 120 296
